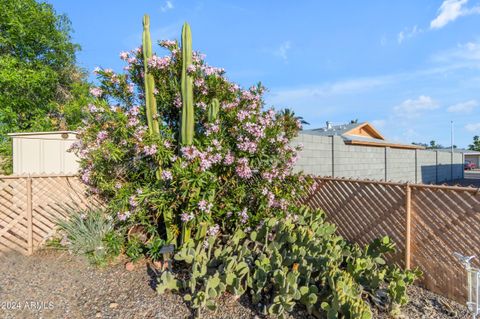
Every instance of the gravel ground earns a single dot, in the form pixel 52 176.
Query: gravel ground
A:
pixel 53 284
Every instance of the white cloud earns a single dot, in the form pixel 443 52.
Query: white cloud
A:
pixel 450 10
pixel 466 52
pixel 282 51
pixel 328 89
pixel 415 107
pixel 167 6
pixel 463 107
pixel 473 127
pixel 408 33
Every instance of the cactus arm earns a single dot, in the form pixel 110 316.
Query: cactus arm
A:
pixel 150 101
pixel 187 125
pixel 213 109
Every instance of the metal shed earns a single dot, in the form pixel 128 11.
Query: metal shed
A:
pixel 44 153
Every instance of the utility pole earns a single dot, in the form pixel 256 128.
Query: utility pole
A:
pixel 451 148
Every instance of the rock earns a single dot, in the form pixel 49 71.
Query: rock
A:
pixel 129 266
pixel 98 315
pixel 113 305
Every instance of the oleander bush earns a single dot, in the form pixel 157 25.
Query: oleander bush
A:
pixel 184 157
pixel 237 170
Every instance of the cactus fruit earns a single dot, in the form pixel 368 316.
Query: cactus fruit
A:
pixel 150 101
pixel 187 123
pixel 213 109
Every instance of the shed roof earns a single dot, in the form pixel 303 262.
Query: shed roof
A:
pixel 41 133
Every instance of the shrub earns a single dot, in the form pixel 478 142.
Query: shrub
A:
pixel 298 260
pixel 237 171
pixel 91 233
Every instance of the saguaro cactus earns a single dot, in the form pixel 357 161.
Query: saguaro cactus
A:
pixel 213 109
pixel 150 101
pixel 187 124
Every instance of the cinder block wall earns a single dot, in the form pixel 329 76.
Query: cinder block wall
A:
pixel 330 156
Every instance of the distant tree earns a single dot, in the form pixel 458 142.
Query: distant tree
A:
pixel 288 113
pixel 420 144
pixel 434 145
pixel 41 88
pixel 476 144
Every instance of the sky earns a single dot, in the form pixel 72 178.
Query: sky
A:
pixel 408 67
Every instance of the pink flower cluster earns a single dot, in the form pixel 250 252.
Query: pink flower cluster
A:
pixel 205 206
pixel 156 62
pixel 150 150
pixel 242 169
pixel 96 92
pixel 186 217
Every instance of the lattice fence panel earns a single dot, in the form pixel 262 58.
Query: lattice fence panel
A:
pixel 13 217
pixel 54 198
pixel 444 221
pixel 28 218
pixel 363 211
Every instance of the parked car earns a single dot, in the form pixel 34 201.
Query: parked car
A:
pixel 469 165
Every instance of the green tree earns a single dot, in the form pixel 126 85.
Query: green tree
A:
pixel 476 144
pixel 40 84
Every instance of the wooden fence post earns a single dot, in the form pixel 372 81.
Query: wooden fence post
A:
pixel 29 216
pixel 408 222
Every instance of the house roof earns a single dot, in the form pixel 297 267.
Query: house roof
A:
pixel 41 133
pixel 359 134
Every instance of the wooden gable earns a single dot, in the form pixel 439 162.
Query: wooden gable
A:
pixel 365 130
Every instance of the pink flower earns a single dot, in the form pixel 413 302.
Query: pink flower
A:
pixel 185 217
pixel 159 63
pixel 124 55
pixel 132 201
pixel 243 114
pixel 204 206
pixel 102 135
pixel 97 92
pixel 93 109
pixel 243 216
pixel 229 159
pixel 177 101
pixel 167 175
pixel 123 216
pixel 213 230
pixel 189 152
pixel 150 150
pixel 242 169
pixel 169 44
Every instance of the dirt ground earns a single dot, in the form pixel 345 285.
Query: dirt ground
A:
pixel 53 284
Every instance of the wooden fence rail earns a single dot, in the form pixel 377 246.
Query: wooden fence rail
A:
pixel 428 222
pixel 31 205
